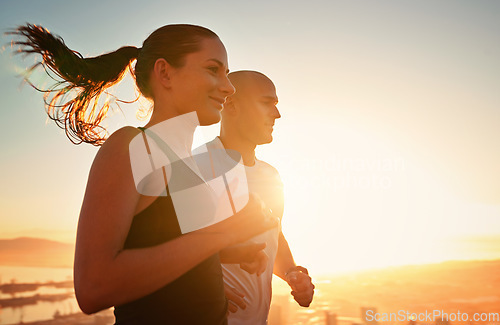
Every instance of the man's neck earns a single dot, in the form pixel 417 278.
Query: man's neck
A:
pixel 245 148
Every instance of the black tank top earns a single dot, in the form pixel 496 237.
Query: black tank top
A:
pixel 196 297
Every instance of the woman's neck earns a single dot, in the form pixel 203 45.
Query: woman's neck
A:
pixel 177 130
pixel 160 114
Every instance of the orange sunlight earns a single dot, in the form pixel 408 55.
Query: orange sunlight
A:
pixel 359 203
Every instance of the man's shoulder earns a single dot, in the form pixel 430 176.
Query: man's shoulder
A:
pixel 213 144
pixel 265 165
pixel 267 170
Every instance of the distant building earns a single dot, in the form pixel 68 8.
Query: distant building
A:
pixel 275 315
pixel 330 318
pixel 283 302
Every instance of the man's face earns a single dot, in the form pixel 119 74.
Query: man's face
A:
pixel 256 108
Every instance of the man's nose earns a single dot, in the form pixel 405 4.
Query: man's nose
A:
pixel 276 113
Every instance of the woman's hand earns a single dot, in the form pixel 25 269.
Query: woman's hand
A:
pixel 249 222
pixel 241 253
pixel 258 265
pixel 250 256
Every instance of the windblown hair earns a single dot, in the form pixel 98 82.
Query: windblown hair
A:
pixel 73 101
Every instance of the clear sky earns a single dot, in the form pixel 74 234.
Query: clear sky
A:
pixel 389 142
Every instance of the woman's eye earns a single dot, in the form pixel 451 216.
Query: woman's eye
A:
pixel 213 69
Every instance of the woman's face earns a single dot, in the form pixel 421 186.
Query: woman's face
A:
pixel 202 85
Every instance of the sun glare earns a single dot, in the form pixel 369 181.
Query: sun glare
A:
pixel 361 204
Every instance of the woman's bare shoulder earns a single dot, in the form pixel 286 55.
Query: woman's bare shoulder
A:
pixel 121 138
pixel 114 153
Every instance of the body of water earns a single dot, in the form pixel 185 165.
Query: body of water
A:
pixel 42 310
pixel 22 274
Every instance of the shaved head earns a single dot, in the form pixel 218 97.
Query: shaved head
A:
pixel 249 114
pixel 246 81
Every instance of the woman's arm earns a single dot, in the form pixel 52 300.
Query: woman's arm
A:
pixel 104 274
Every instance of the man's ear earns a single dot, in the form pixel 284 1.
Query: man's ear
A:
pixel 162 71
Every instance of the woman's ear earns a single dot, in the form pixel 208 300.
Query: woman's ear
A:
pixel 162 71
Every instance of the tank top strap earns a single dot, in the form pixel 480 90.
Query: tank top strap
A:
pixel 151 158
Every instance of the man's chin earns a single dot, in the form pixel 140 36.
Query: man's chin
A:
pixel 266 140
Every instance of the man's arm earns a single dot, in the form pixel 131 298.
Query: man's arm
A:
pixel 297 277
pixel 284 259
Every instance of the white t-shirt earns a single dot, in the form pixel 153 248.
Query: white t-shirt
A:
pixel 264 180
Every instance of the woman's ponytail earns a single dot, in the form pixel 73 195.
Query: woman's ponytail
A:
pixel 73 101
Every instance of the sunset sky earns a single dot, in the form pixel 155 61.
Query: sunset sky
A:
pixel 389 141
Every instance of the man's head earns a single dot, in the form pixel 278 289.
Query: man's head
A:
pixel 250 113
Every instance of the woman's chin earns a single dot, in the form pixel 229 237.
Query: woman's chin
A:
pixel 209 118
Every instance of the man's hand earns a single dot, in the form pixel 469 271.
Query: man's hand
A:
pixel 235 299
pixel 302 287
pixel 258 265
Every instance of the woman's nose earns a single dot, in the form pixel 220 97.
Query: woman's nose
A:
pixel 227 87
